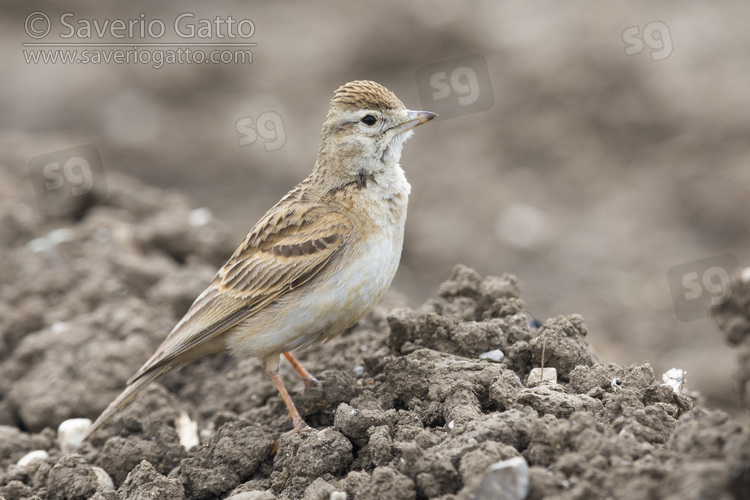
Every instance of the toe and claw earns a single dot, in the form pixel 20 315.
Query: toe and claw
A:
pixel 307 378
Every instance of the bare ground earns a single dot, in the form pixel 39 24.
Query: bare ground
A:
pixel 406 408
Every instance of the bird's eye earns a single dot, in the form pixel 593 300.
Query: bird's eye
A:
pixel 369 120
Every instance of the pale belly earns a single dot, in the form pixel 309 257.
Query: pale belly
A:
pixel 333 302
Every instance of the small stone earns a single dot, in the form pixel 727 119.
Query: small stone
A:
pixel 495 355
pixel 253 495
pixel 70 433
pixel 59 327
pixel 538 375
pixel 60 235
pixel 31 456
pixel 39 245
pixel 187 430
pixel 506 480
pixel 337 495
pixel 102 478
pixel 199 217
pixel 675 378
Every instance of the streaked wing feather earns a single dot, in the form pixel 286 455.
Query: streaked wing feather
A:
pixel 283 252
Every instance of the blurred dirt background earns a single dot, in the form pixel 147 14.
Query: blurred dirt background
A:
pixel 590 177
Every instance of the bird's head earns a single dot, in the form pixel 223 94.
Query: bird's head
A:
pixel 366 128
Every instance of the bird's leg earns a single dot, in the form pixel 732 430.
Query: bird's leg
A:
pixel 272 370
pixel 307 378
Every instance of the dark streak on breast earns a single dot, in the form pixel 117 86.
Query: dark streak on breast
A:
pixel 359 183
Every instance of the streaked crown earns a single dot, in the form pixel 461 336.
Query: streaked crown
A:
pixel 364 94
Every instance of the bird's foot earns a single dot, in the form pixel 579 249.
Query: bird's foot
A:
pixel 310 383
pixel 301 427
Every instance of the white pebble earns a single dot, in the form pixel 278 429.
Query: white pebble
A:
pixel 60 235
pixel 199 217
pixel 538 375
pixel 188 431
pixel 39 245
pixel 102 478
pixel 253 495
pixel 506 480
pixel 451 424
pixel 675 378
pixel 358 370
pixel 495 355
pixel 59 327
pixel 70 433
pixel 337 495
pixel 31 456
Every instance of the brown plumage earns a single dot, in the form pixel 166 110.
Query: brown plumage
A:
pixel 317 261
pixel 364 94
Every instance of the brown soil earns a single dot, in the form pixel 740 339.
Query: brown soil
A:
pixel 616 168
pixel 406 409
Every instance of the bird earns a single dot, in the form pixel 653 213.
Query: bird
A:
pixel 316 262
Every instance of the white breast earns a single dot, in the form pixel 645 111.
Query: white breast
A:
pixel 344 292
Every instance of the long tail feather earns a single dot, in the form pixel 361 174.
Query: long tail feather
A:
pixel 125 398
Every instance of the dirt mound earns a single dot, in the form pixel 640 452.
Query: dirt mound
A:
pixel 732 315
pixel 414 403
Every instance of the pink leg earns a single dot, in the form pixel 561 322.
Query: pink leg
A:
pixel 307 378
pixel 272 369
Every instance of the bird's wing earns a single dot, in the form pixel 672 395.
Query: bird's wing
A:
pixel 285 250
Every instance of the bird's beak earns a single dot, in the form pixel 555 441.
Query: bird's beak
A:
pixel 416 118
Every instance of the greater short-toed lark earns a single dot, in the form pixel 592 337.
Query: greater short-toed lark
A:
pixel 317 261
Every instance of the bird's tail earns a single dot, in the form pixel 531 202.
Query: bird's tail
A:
pixel 125 398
